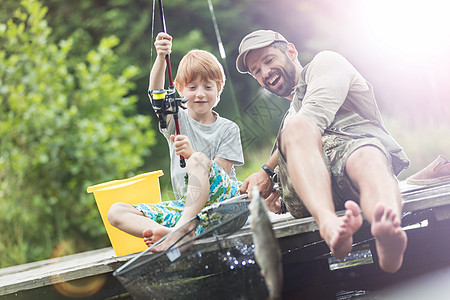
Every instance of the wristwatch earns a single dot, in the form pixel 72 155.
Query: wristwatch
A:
pixel 270 172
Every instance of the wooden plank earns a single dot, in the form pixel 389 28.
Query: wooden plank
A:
pixel 104 261
pixel 61 269
pixel 426 197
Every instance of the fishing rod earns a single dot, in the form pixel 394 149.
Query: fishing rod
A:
pixel 164 101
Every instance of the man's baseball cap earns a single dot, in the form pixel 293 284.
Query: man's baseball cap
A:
pixel 255 40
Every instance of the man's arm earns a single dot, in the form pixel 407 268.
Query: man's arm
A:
pixel 261 179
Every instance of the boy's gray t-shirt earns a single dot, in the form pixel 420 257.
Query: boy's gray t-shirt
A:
pixel 220 139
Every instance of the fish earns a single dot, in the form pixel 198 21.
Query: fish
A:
pixel 267 250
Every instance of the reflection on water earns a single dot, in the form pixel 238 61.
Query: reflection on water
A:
pixel 221 265
pixel 212 272
pixel 345 295
pixel 353 259
pixel 243 259
pixel 217 266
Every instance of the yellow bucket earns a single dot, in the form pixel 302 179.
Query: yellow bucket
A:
pixel 143 188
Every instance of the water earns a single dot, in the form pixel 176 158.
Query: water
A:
pixel 218 266
pixel 222 266
pixel 213 272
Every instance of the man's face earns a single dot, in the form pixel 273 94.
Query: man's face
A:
pixel 273 70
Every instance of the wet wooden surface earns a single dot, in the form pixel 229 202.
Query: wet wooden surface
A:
pixel 37 280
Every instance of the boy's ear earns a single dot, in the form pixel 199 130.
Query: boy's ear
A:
pixel 178 88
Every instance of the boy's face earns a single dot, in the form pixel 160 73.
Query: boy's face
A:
pixel 273 70
pixel 202 94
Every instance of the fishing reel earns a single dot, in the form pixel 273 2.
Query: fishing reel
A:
pixel 165 103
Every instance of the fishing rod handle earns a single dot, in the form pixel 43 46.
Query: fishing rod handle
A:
pixel 169 75
pixel 177 131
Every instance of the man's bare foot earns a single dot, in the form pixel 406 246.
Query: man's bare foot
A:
pixel 390 239
pixel 341 230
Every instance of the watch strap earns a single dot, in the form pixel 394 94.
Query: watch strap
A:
pixel 269 171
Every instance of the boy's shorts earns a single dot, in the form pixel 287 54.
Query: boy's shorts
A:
pixel 167 213
pixel 336 151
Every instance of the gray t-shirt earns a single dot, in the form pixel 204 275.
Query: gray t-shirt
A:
pixel 340 101
pixel 220 139
pixel 329 78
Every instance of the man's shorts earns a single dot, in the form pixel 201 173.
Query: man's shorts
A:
pixel 336 151
pixel 168 213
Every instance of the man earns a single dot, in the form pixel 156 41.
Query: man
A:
pixel 332 147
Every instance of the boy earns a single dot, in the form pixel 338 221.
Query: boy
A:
pixel 210 144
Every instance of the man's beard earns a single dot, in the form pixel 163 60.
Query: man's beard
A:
pixel 288 77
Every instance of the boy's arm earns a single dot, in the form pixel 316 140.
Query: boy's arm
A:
pixel 224 163
pixel 261 179
pixel 157 74
pixel 230 147
pixel 163 45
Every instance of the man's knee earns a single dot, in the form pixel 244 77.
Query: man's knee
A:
pixel 198 162
pixel 366 160
pixel 370 155
pixel 300 130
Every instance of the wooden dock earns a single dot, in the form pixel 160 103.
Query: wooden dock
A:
pixel 89 275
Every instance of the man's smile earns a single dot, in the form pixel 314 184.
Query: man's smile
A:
pixel 274 79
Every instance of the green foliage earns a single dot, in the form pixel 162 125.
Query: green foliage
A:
pixel 66 122
pixel 68 101
pixel 422 142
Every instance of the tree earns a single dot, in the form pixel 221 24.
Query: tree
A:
pixel 66 122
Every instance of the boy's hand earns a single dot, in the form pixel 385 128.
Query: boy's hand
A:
pixel 182 145
pixel 163 44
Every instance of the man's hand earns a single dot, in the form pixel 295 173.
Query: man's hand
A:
pixel 273 202
pixel 182 145
pixel 261 180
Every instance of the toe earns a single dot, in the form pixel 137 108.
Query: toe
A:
pixel 379 212
pixel 147 234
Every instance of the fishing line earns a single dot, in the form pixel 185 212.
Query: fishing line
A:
pixel 153 31
pixel 223 55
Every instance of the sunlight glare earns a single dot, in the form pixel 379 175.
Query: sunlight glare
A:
pixel 410 27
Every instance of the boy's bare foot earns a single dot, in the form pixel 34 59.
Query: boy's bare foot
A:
pixel 390 239
pixel 340 238
pixel 151 236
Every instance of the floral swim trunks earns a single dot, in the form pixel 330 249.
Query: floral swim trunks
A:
pixel 167 213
